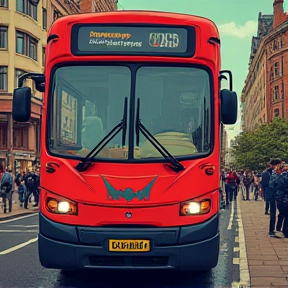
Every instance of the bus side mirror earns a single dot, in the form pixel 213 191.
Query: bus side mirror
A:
pixel 229 106
pixel 21 105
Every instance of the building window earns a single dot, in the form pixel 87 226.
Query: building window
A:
pixel 26 45
pixel 18 73
pixel 276 69
pixel 276 113
pixel 44 19
pixel 282 65
pixel 275 44
pixel 28 7
pixel 271 74
pixel 3 37
pixel 281 42
pixel 3 78
pixel 4 3
pixel 276 93
pixel 282 90
pixel 20 136
pixel 3 134
pixel 43 55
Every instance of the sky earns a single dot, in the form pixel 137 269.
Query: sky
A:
pixel 237 22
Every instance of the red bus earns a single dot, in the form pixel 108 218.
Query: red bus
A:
pixel 130 149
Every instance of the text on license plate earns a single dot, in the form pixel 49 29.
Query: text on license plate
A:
pixel 129 245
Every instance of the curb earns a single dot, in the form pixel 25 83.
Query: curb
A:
pixel 18 215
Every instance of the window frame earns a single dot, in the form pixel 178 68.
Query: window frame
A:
pixel 5 4
pixel 27 47
pixel 44 18
pixel 4 31
pixel 27 8
pixel 4 71
pixel 16 77
pixel 3 134
pixel 21 131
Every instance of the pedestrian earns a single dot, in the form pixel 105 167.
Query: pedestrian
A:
pixel 247 183
pixel 6 186
pixel 32 185
pixel 265 177
pixel 274 192
pixel 256 182
pixel 231 187
pixel 22 192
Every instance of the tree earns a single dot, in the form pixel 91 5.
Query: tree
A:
pixel 254 150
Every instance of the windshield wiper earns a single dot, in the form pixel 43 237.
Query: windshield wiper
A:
pixel 175 165
pixel 122 125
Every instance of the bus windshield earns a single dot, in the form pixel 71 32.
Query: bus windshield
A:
pixel 86 102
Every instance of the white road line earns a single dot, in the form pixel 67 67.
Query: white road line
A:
pixel 24 226
pixel 243 263
pixel 17 247
pixel 18 218
pixel 22 231
pixel 231 216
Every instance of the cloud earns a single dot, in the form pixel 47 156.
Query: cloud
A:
pixel 249 29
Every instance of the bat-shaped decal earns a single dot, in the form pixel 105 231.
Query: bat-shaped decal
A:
pixel 128 194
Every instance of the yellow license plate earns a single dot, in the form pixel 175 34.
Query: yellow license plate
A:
pixel 129 245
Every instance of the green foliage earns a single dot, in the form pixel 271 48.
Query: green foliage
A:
pixel 254 150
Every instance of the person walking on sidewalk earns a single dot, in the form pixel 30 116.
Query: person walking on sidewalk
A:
pixel 268 192
pixel 247 183
pixel 6 186
pixel 277 188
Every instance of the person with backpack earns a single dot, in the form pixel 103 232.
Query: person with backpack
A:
pixel 31 183
pixel 279 183
pixel 270 193
pixel 6 186
pixel 231 187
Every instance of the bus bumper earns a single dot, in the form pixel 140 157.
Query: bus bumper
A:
pixel 194 247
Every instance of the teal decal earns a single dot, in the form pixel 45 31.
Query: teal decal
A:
pixel 128 194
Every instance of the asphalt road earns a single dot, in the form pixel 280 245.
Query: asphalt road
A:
pixel 20 267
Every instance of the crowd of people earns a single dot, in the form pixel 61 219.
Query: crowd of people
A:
pixel 26 184
pixel 270 186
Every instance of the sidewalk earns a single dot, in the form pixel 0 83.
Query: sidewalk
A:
pixel 267 257
pixel 16 209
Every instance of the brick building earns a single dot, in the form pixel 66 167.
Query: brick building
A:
pixel 98 5
pixel 263 93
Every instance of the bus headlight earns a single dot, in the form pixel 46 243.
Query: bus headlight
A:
pixel 195 207
pixel 61 206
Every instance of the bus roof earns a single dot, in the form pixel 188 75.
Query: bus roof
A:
pixel 139 16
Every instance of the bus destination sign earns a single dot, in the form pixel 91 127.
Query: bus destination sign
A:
pixel 130 40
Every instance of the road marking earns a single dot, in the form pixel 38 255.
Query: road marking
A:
pixel 231 216
pixel 18 218
pixel 24 226
pixel 23 231
pixel 236 261
pixel 243 263
pixel 17 247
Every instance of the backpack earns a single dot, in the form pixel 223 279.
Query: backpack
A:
pixel 30 182
pixel 6 183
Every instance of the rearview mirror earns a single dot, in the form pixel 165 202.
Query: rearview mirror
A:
pixel 21 105
pixel 229 106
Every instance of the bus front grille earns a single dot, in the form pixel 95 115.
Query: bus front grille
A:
pixel 132 261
